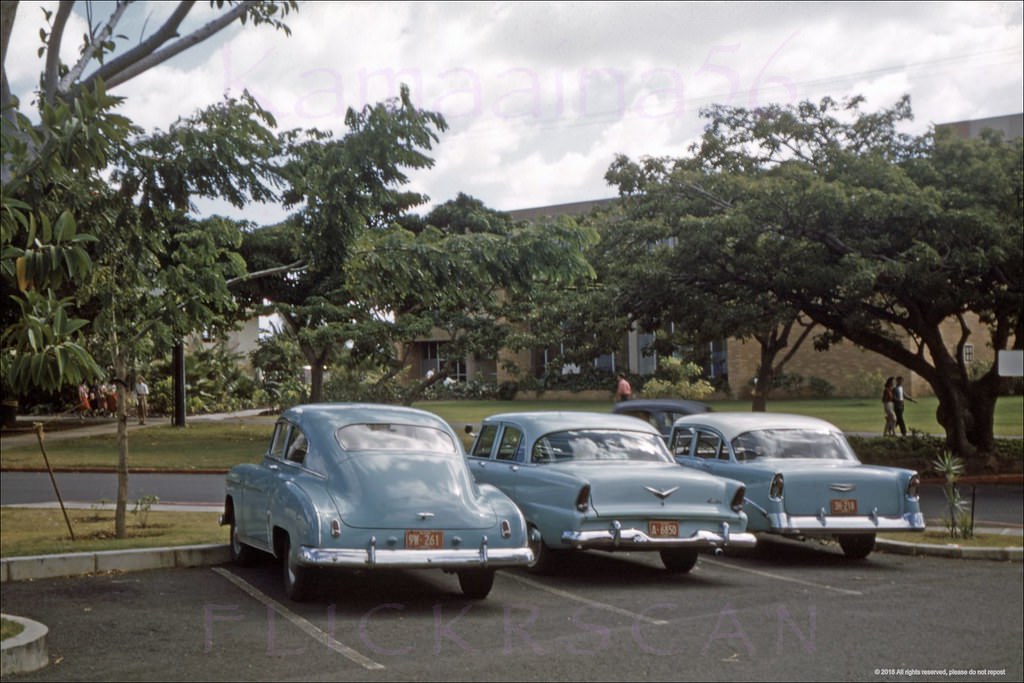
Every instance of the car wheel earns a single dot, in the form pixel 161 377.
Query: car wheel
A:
pixel 857 546
pixel 297 578
pixel 476 583
pixel 543 556
pixel 241 554
pixel 679 561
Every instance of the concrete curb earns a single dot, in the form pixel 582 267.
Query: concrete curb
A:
pixel 26 651
pixel 953 550
pixel 77 564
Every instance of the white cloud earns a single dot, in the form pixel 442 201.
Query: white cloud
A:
pixel 541 96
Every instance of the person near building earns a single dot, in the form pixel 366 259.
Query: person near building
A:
pixel 623 391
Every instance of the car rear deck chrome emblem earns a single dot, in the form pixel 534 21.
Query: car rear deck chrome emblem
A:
pixel 662 494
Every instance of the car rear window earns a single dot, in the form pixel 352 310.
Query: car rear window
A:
pixel 792 443
pixel 388 436
pixel 598 444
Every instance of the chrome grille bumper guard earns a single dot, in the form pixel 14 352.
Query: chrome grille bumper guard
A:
pixel 441 558
pixel 617 538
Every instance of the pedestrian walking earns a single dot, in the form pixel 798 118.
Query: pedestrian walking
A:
pixel 623 390
pixel 141 399
pixel 900 396
pixel 889 406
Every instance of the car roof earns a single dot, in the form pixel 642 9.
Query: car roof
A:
pixel 544 422
pixel 336 415
pixel 677 405
pixel 735 423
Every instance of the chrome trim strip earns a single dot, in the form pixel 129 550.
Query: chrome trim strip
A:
pixel 635 539
pixel 482 557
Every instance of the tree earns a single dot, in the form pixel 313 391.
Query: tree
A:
pixel 883 239
pixel 159 274
pixel 54 167
pixel 466 270
pixel 51 171
pixel 345 187
pixel 681 263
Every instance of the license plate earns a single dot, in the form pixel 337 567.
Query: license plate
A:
pixel 844 506
pixel 659 528
pixel 419 539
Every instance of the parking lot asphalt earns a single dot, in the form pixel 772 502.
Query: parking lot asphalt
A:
pixel 24 653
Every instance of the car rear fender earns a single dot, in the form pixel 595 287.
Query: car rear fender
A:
pixel 295 511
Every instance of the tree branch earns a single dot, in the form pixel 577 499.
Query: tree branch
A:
pixel 124 69
pixel 291 267
pixel 94 46
pixel 53 41
pixel 163 34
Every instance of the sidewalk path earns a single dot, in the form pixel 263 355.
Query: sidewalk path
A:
pixel 98 426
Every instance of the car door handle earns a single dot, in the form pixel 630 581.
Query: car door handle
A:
pixel 514 468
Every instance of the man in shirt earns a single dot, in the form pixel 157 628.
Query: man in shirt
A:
pixel 900 394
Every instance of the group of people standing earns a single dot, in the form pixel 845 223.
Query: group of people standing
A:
pixel 101 399
pixel 894 398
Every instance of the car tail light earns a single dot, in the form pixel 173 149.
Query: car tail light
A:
pixel 583 499
pixel 335 528
pixel 506 529
pixel 913 485
pixel 738 498
pixel 775 490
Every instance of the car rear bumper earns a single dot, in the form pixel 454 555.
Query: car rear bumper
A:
pixel 820 524
pixel 617 538
pixel 442 558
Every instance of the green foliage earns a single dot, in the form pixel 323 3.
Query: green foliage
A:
pixel 678 379
pixel 874 236
pixel 40 350
pixel 960 521
pixel 865 384
pixel 142 508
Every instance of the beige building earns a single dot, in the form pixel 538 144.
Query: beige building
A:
pixel 844 367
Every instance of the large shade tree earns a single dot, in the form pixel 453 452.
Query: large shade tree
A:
pixel 887 240
pixel 342 187
pixel 465 272
pixel 679 274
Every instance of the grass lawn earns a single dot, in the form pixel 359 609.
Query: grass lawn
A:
pixel 219 445
pixel 32 531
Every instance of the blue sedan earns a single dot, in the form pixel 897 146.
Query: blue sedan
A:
pixel 803 478
pixel 606 482
pixel 364 486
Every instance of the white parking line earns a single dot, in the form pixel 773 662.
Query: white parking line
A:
pixel 579 598
pixel 780 577
pixel 314 631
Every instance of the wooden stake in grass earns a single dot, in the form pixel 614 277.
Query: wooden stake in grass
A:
pixel 38 426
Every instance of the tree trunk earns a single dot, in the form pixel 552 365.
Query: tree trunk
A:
pixel 120 510
pixel 966 411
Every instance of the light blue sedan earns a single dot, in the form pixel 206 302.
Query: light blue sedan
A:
pixel 803 478
pixel 363 486
pixel 606 482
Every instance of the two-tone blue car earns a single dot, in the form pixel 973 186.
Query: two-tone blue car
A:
pixel 363 486
pixel 596 481
pixel 803 479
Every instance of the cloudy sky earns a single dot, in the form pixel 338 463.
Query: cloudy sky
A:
pixel 540 97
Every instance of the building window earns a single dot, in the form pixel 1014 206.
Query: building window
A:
pixel 434 358
pixel 968 353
